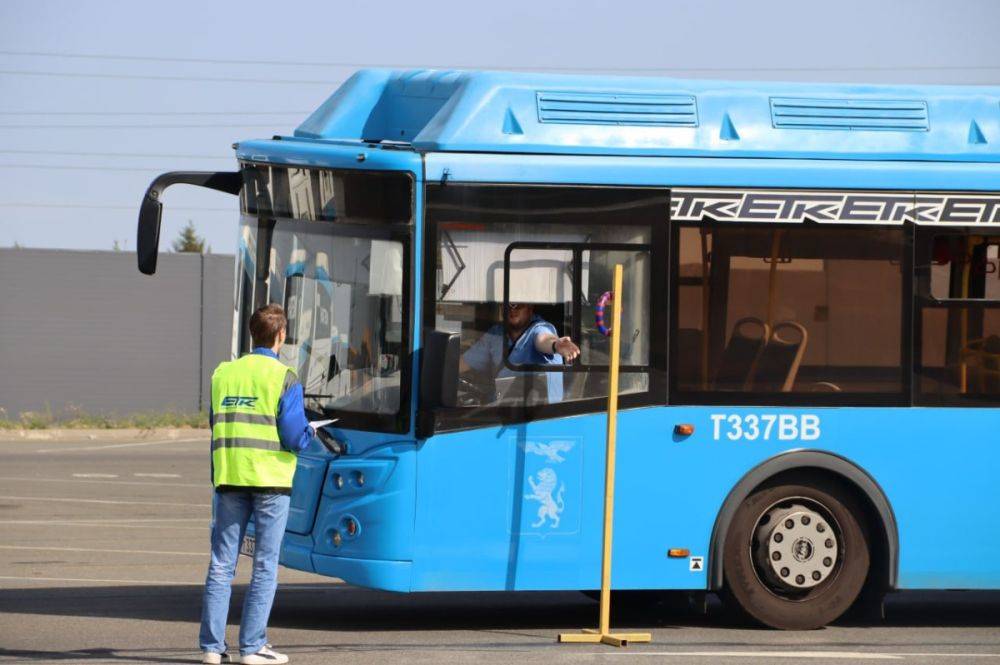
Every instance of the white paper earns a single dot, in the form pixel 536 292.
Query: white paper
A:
pixel 316 424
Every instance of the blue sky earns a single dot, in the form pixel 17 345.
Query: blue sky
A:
pixel 96 98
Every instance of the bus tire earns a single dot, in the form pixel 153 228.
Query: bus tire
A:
pixel 797 554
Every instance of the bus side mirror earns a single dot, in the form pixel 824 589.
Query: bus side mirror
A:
pixel 439 369
pixel 147 241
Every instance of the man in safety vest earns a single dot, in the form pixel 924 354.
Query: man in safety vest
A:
pixel 258 424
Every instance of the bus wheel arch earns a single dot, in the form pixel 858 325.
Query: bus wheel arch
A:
pixel 801 467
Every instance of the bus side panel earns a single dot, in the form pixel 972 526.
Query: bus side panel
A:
pixel 487 507
pixel 521 507
pixel 477 528
pixel 939 469
pixel 933 465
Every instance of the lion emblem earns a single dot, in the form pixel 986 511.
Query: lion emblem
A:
pixel 541 491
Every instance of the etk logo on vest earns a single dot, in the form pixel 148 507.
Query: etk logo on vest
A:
pixel 238 401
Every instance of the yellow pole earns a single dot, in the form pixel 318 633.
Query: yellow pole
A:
pixel 609 464
pixel 603 634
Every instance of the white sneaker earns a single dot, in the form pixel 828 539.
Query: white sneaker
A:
pixel 266 656
pixel 210 658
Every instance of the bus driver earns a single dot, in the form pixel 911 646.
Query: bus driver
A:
pixel 530 339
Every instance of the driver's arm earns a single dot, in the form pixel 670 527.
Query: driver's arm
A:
pixel 564 346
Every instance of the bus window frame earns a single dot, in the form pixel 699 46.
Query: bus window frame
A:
pixel 578 248
pixel 923 256
pixel 434 420
pixel 402 232
pixel 903 397
pixel 924 259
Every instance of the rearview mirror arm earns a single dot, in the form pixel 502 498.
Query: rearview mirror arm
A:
pixel 151 210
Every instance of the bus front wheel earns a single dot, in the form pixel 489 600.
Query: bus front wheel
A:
pixel 796 554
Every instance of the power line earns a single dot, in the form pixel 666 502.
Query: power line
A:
pixel 113 154
pixel 66 167
pixel 300 63
pixel 141 126
pixel 87 206
pixel 157 77
pixel 153 113
pixel 144 58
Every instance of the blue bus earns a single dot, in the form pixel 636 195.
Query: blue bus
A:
pixel 810 336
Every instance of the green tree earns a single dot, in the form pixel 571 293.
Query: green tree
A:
pixel 188 240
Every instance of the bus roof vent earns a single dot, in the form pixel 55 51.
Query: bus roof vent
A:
pixel 849 114
pixel 609 108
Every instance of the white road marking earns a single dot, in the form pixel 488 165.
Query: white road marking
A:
pixel 205 439
pixel 157 475
pixel 207 484
pixel 105 501
pixel 283 588
pixel 840 655
pixel 87 549
pixel 95 475
pixel 949 655
pixel 81 579
pixel 846 655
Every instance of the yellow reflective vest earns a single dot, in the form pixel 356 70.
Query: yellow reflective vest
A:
pixel 246 450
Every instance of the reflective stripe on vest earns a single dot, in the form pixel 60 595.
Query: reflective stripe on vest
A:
pixel 246 450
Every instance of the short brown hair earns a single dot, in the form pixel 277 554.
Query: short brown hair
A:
pixel 266 323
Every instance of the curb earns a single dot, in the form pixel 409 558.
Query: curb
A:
pixel 129 434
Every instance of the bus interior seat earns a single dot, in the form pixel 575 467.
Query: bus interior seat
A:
pixel 742 354
pixel 779 363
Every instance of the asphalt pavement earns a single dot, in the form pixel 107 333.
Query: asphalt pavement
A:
pixel 104 551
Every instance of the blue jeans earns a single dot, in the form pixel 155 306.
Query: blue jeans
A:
pixel 232 511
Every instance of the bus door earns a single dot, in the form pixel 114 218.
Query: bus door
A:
pixel 956 364
pixel 513 461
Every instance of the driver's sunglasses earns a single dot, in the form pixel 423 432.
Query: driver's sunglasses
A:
pixel 513 306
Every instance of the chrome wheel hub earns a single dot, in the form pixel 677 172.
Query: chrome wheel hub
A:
pixel 796 547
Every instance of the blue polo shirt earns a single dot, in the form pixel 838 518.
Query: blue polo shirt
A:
pixel 486 355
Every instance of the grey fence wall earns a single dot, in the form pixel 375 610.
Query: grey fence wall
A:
pixel 87 330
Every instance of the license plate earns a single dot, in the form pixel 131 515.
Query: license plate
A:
pixel 248 545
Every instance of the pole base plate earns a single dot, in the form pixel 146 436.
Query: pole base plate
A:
pixel 591 636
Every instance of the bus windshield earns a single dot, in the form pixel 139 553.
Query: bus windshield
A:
pixel 331 248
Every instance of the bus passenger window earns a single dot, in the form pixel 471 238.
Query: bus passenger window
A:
pixel 958 359
pixel 770 311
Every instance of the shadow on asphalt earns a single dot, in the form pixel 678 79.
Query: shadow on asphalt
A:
pixel 341 607
pixel 96 654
